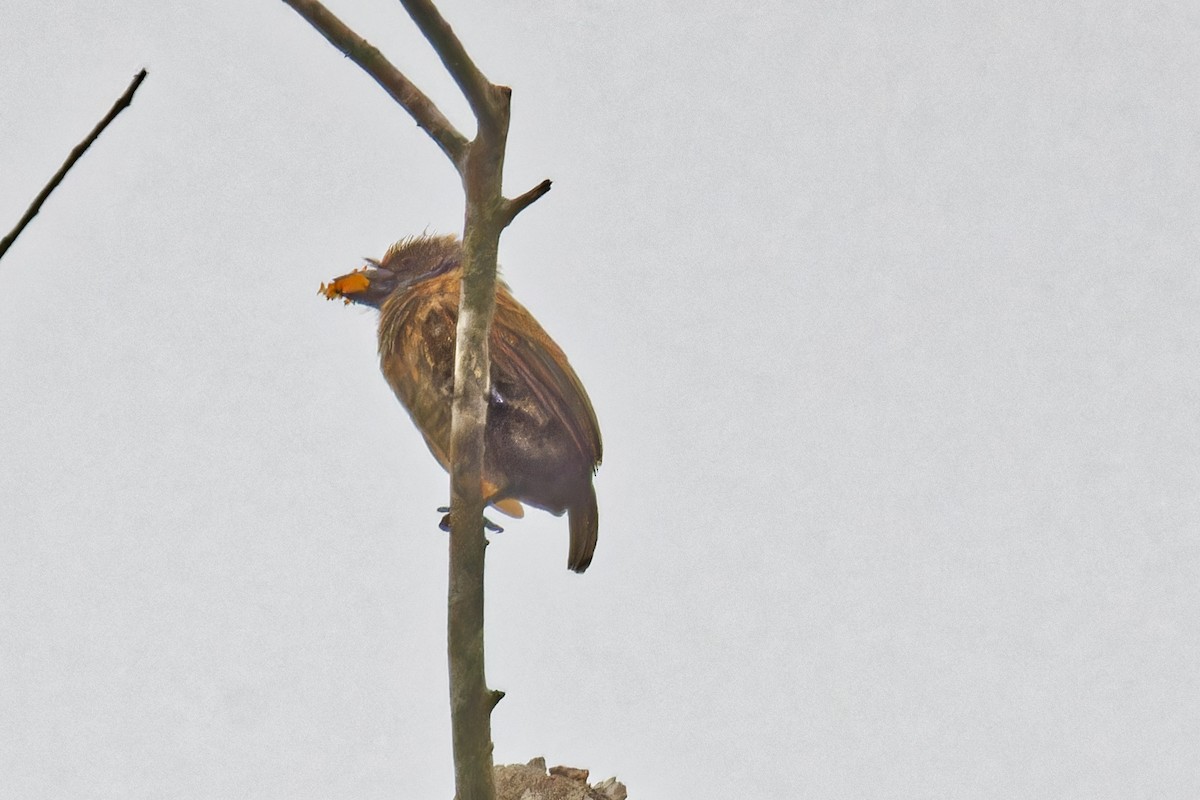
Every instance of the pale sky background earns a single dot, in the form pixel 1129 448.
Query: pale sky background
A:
pixel 888 312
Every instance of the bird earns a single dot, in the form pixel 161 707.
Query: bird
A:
pixel 542 444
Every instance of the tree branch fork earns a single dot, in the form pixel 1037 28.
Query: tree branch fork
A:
pixel 480 164
pixel 489 102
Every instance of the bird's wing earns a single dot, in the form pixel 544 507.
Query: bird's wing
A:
pixel 521 347
pixel 422 333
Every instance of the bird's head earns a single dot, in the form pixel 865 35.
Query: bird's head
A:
pixel 405 263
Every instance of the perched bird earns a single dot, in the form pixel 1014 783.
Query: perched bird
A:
pixel 542 441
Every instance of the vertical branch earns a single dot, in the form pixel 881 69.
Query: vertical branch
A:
pixel 470 700
pixel 487 214
pixel 480 164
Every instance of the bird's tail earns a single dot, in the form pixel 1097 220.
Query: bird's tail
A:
pixel 584 521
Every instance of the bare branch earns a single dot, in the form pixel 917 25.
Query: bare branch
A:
pixel 122 103
pixel 480 163
pixel 481 94
pixel 427 115
pixel 471 701
pixel 521 202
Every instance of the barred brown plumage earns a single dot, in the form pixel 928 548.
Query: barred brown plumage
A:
pixel 542 441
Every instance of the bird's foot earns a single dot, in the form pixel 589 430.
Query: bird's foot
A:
pixel 445 523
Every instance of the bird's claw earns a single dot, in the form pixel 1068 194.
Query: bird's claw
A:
pixel 445 523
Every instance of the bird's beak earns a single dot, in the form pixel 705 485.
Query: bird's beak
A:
pixel 367 285
pixel 347 286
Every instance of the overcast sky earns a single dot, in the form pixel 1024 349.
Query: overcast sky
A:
pixel 888 312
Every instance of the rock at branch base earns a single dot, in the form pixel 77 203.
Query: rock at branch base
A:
pixel 532 782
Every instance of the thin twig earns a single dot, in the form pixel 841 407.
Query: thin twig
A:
pixel 122 103
pixel 427 115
